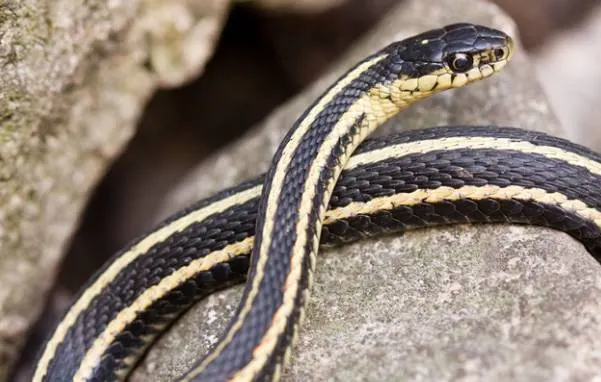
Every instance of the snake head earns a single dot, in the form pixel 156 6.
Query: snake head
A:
pixel 448 57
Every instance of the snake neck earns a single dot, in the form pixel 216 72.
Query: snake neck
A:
pixel 295 198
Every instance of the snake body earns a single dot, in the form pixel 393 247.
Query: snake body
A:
pixel 273 226
pixel 302 176
pixel 416 179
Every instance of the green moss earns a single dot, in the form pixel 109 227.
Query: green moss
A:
pixel 7 11
pixel 12 112
pixel 22 27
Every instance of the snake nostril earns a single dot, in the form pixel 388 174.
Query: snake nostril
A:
pixel 499 53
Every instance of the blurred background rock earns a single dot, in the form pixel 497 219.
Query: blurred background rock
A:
pixel 267 53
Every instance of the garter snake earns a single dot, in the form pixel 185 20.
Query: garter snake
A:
pixel 439 176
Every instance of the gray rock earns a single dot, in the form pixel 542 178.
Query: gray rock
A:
pixel 568 68
pixel 460 303
pixel 73 83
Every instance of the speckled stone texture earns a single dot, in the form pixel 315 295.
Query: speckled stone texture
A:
pixel 462 303
pixel 74 78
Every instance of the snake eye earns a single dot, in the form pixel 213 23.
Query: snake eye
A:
pixel 460 62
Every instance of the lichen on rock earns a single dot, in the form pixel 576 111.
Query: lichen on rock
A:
pixel 74 79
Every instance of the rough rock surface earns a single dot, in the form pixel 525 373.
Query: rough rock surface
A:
pixel 74 78
pixel 461 303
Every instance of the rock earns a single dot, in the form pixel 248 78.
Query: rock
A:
pixel 568 69
pixel 75 76
pixel 460 303
pixel 309 6
pixel 541 20
pixel 306 44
